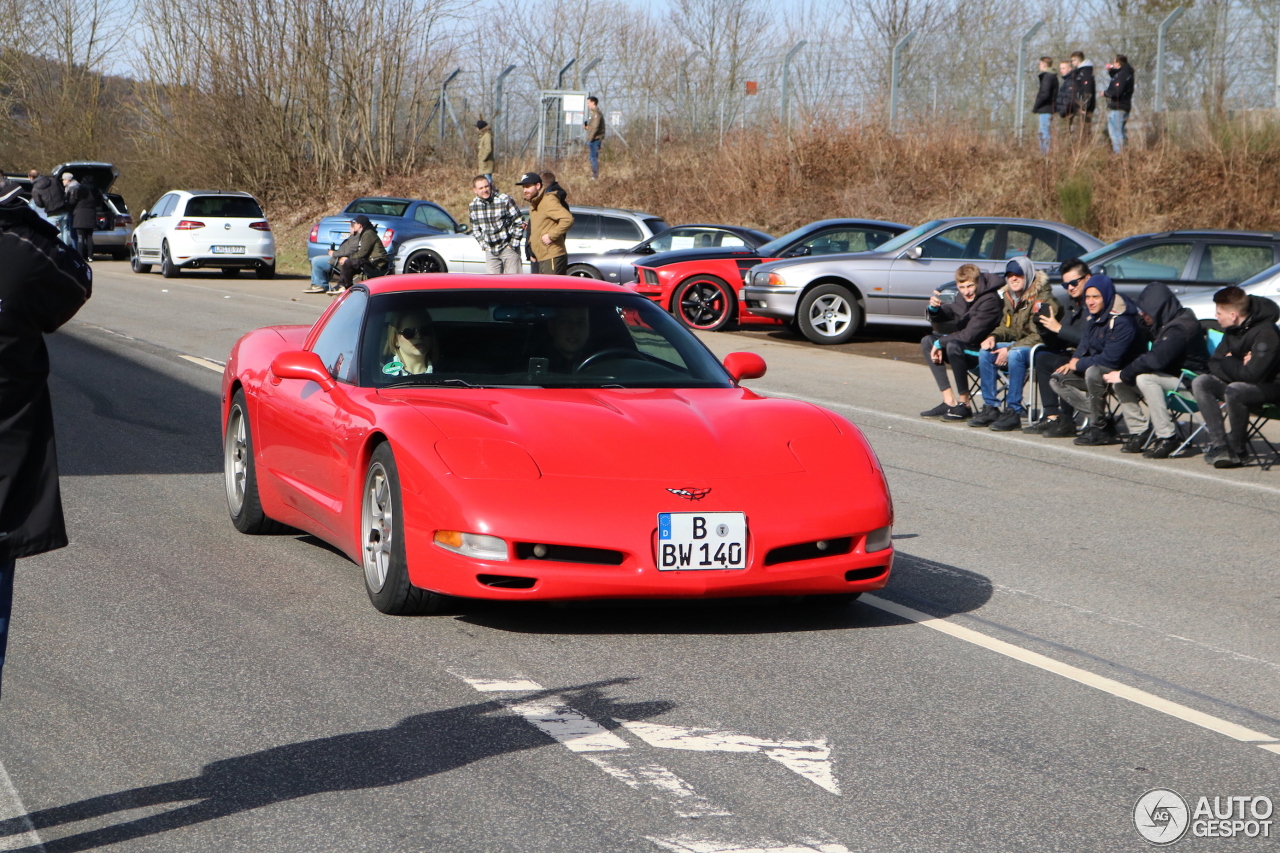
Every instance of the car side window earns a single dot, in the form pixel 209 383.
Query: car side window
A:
pixel 617 228
pixel 340 337
pixel 1162 261
pixel 1039 244
pixel 1230 263
pixel 165 205
pixel 586 226
pixel 963 242
pixel 1068 249
pixel 434 217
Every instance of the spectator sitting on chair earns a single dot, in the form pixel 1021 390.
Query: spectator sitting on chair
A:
pixel 1177 342
pixel 1061 333
pixel 974 316
pixel 1242 372
pixel 1109 343
pixel 1025 293
pixel 362 250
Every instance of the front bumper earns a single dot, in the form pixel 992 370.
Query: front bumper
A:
pixel 777 302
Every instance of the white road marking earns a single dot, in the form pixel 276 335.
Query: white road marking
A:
pixel 501 685
pixel 1098 682
pixel 809 758
pixel 203 362
pixel 686 844
pixel 577 731
pixel 11 807
pixel 670 788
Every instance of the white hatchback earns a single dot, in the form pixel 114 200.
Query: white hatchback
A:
pixel 204 229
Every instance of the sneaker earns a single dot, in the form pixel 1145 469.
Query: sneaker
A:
pixel 1137 442
pixel 1063 427
pixel 1162 448
pixel 937 411
pixel 959 412
pixel 1038 427
pixel 315 288
pixel 986 417
pixel 1095 437
pixel 1009 420
pixel 1222 457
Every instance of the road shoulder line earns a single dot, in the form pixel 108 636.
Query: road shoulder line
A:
pixel 11 808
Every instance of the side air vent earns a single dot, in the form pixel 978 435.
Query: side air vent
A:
pixel 506 581
pixel 865 574
pixel 809 551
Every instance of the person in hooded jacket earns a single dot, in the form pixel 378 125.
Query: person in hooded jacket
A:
pixel 973 322
pixel 1177 342
pixel 1064 104
pixel 1024 294
pixel 1046 99
pixel 49 196
pixel 1110 342
pixel 42 284
pixel 1061 332
pixel 1119 95
pixel 1242 372
pixel 1084 92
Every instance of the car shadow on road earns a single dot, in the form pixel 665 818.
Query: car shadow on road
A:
pixel 417 747
pixel 927 585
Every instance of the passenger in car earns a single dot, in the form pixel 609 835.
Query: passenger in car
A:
pixel 411 347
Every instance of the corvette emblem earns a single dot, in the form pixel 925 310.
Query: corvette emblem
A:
pixel 690 493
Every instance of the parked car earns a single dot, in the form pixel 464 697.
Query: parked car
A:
pixel 827 299
pixel 111 234
pixel 701 286
pixel 618 265
pixel 595 230
pixel 1265 284
pixel 397 220
pixel 204 229
pixel 1187 261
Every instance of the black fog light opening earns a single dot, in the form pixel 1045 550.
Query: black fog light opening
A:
pixel 865 574
pixel 568 554
pixel 809 550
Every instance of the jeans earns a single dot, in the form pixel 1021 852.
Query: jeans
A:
pixel 6 605
pixel 1019 362
pixel 955 355
pixel 593 151
pixel 1045 120
pixel 1087 393
pixel 320 267
pixel 1153 387
pixel 63 223
pixel 1116 120
pixel 506 261
pixel 1239 396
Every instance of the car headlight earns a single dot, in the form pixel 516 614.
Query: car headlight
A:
pixel 478 546
pixel 768 279
pixel 879 540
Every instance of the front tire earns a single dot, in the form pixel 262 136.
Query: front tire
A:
pixel 135 263
pixel 386 570
pixel 240 474
pixel 426 261
pixel 167 268
pixel 829 314
pixel 585 271
pixel 704 303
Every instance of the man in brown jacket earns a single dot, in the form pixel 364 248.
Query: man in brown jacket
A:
pixel 484 150
pixel 549 222
pixel 595 134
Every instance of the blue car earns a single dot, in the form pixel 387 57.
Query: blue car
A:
pixel 397 220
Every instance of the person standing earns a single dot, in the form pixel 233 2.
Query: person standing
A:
pixel 549 223
pixel 1046 100
pixel 83 200
pixel 496 225
pixel 1064 104
pixel 70 186
pixel 50 198
pixel 484 150
pixel 595 134
pixel 1084 91
pixel 42 285
pixel 1119 95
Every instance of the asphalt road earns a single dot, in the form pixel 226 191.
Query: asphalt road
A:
pixel 1065 630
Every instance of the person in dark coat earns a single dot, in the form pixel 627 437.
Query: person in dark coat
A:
pixel 973 319
pixel 1177 343
pixel 1119 95
pixel 1061 334
pixel 42 285
pixel 1046 100
pixel 1084 92
pixel 84 200
pixel 1064 105
pixel 49 196
pixel 1244 371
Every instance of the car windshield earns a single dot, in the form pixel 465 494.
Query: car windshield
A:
pixel 906 238
pixel 224 206
pixel 530 339
pixel 377 207
pixel 1106 250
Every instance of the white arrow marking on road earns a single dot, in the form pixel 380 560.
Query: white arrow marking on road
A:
pixel 574 729
pixel 809 758
pixel 677 792
pixel 685 844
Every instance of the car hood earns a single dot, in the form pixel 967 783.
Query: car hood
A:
pixel 662 259
pixel 632 434
pixel 103 174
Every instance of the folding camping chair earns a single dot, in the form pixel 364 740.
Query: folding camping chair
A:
pixel 1258 418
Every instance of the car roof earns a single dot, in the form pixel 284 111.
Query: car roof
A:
pixel 386 198
pixel 215 192
pixel 874 223
pixel 1212 232
pixel 584 208
pixel 472 281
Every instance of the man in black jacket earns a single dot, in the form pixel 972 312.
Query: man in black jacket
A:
pixel 1119 95
pixel 1046 98
pixel 1064 105
pixel 42 285
pixel 1084 92
pixel 974 319
pixel 1178 342
pixel 48 195
pixel 1242 372
pixel 1061 335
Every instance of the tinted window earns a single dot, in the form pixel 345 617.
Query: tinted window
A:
pixel 695 238
pixel 617 228
pixel 223 206
pixel 433 217
pixel 586 226
pixel 377 207
pixel 1068 249
pixel 340 337
pixel 1039 244
pixel 1229 264
pixel 845 240
pixel 656 226
pixel 964 242
pixel 1161 261
pixel 164 205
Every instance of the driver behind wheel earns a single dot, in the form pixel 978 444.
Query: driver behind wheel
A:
pixel 411 347
pixel 570 329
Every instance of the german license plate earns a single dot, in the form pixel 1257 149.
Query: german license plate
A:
pixel 228 250
pixel 700 541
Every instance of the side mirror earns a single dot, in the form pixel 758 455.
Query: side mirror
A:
pixel 914 253
pixel 799 251
pixel 744 365
pixel 300 364
pixel 143 216
pixel 463 228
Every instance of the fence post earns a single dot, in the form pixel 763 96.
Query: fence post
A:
pixel 498 111
pixel 684 77
pixel 587 69
pixel 444 100
pixel 1277 101
pixel 1019 110
pixel 786 87
pixel 895 72
pixel 1160 36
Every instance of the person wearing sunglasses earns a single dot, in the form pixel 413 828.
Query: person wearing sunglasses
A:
pixel 411 345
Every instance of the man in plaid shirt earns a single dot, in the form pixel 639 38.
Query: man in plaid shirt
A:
pixel 496 225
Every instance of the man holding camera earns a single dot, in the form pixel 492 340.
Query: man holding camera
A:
pixel 973 317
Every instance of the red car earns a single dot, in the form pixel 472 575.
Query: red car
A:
pixel 542 437
pixel 701 287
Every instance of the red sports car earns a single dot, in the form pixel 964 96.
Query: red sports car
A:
pixel 701 287
pixel 540 437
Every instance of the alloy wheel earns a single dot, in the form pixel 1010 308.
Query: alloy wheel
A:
pixel 378 524
pixel 830 314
